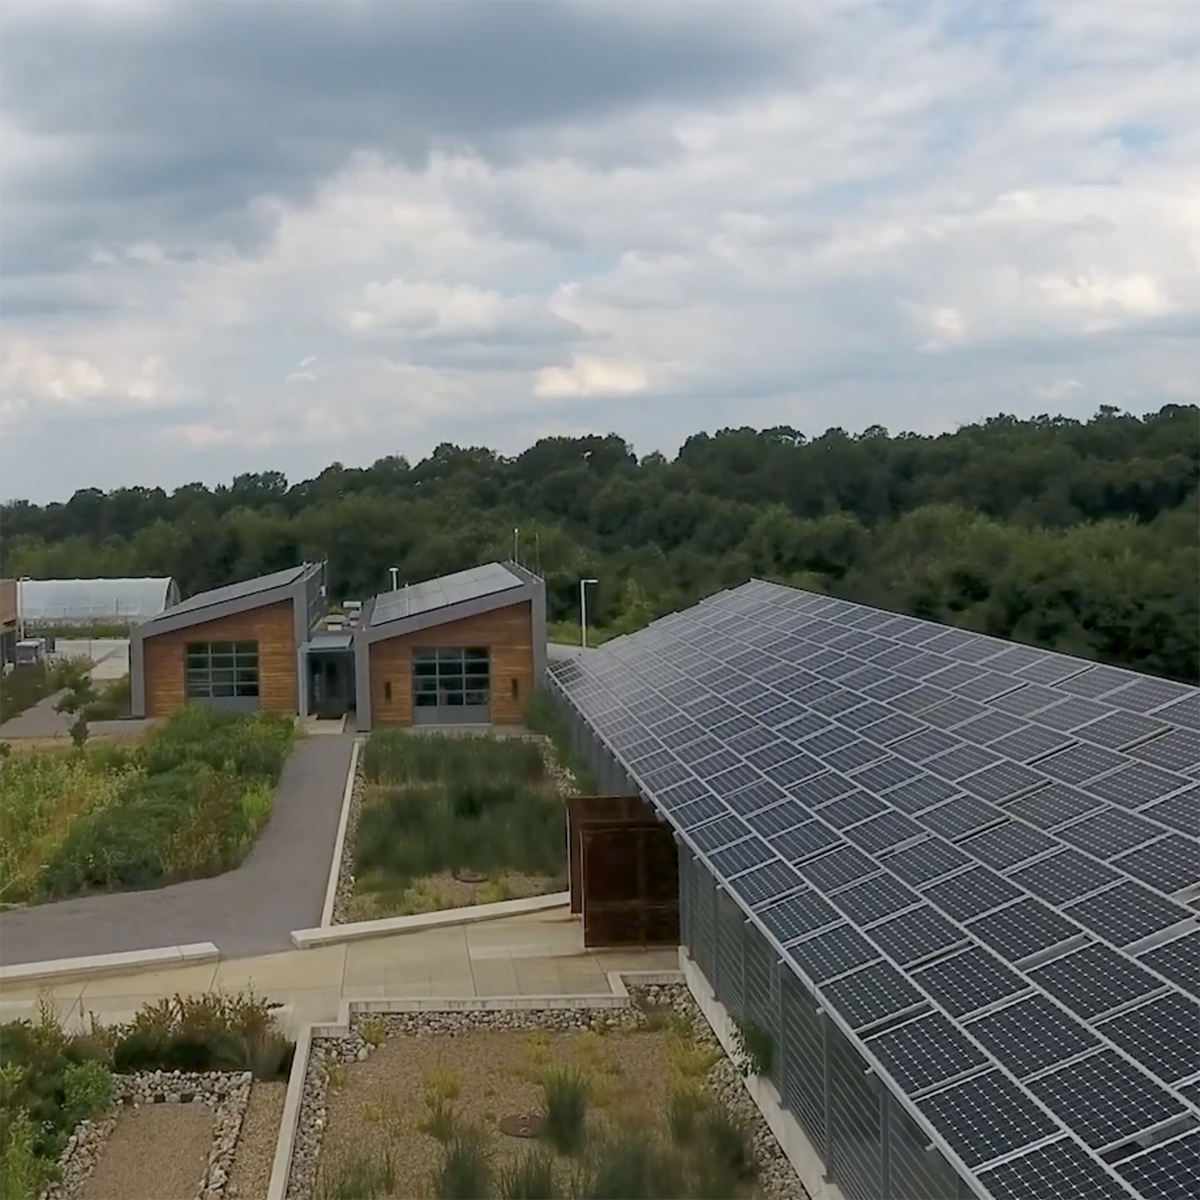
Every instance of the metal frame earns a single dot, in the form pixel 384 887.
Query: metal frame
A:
pixel 531 590
pixel 302 586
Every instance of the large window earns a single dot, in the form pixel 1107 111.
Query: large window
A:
pixel 222 670
pixel 451 678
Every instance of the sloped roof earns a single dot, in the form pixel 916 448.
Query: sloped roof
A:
pixel 69 600
pixel 446 590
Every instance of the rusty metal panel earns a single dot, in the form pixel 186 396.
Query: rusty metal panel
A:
pixel 630 883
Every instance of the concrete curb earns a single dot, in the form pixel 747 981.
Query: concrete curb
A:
pixel 94 966
pixel 357 931
pixel 339 845
pixel 289 1123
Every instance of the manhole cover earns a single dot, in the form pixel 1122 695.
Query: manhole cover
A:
pixel 469 877
pixel 523 1125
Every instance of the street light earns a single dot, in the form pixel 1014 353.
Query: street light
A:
pixel 583 610
pixel 395 576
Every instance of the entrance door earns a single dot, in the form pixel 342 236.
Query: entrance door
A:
pixel 452 686
pixel 330 684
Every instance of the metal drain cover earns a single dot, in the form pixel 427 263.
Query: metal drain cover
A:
pixel 523 1125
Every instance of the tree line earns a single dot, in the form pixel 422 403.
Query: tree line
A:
pixel 1081 536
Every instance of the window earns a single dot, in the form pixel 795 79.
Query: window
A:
pixel 451 678
pixel 221 670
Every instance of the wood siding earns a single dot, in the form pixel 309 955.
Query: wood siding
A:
pixel 8 602
pixel 506 632
pixel 272 627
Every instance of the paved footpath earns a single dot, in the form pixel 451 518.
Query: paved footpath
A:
pixel 250 910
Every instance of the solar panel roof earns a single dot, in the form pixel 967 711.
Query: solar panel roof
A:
pixel 1045 883
pixel 442 592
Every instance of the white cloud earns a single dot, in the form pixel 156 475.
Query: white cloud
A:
pixel 929 213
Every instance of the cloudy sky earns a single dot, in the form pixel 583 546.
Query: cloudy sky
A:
pixel 244 235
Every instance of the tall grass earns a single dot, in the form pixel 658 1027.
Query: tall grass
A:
pixel 565 1095
pixel 189 802
pixel 396 757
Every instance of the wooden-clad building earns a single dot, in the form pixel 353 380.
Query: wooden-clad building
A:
pixel 8 620
pixel 238 647
pixel 464 649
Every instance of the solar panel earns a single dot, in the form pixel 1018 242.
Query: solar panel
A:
pixel 886 773
pixel 857 754
pixel 1104 1100
pixel 987 728
pixel 854 806
pixel 952 711
pixel 1119 729
pixel 1024 701
pixel 843 865
pixel 696 812
pixel 834 952
pixel 892 728
pixel 1080 763
pixel 926 744
pixel 1126 912
pixel 916 934
pixel 1022 929
pixel 925 1051
pixel 741 856
pixel 1071 714
pixel 1178 750
pixel 925 861
pixel 1109 832
pixel 1148 694
pixel 1163 1035
pixel 888 829
pixel 1168 1171
pixel 1185 712
pixel 1178 961
pixel 985 1117
pixel 1093 980
pixel 794 770
pixel 969 980
pixel 916 701
pixel 1181 811
pixel 874 898
pixel 1053 1172
pixel 821 788
pixel 773 820
pixel 921 793
pixel 1008 844
pixel 1003 782
pixel 1136 784
pixel 765 883
pixel 1170 864
pixel 871 994
pixel 1052 806
pixel 1027 744
pixel 1064 876
pixel 960 816
pixel 971 893
pixel 753 799
pixel 1096 681
pixel 804 841
pixel 1031 1035
pixel 965 760
pixel 865 714
pixel 721 832
pixel 796 916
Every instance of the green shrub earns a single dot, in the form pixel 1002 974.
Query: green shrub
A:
pixel 565 1094
pixel 22 1172
pixel 87 1090
pixel 394 756
pixel 358 1175
pixel 632 1167
pixel 730 1148
pixel 684 1110
pixel 531 1177
pixel 465 1170
pixel 112 702
pixel 440 1121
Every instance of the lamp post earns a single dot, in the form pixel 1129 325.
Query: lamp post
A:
pixel 21 608
pixel 395 572
pixel 583 610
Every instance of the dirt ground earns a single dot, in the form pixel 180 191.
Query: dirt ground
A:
pixel 485 1076
pixel 255 1154
pixel 158 1150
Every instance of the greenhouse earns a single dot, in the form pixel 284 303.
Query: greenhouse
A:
pixel 76 602
pixel 945 883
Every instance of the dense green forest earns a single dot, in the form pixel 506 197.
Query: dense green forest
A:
pixel 1082 536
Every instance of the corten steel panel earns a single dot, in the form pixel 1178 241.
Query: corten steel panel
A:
pixel 630 885
pixel 8 602
pixel 506 632
pixel 272 627
pixel 592 810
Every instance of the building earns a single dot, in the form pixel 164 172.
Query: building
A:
pixel 80 602
pixel 8 621
pixel 467 648
pixel 239 647
pixel 949 883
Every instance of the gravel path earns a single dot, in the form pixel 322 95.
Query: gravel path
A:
pixel 256 1146
pixel 157 1150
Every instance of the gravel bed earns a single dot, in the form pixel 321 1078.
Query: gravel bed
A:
pixel 473 1029
pixel 224 1095
pixel 343 897
pixel 255 1156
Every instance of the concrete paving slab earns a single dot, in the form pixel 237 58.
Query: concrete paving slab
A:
pixel 184 980
pixel 495 977
pixel 292 969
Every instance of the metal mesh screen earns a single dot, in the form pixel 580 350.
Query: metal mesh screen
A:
pixel 913 1170
pixel 855 1151
pixel 731 937
pixel 803 1059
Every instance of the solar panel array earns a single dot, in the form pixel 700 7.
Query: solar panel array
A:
pixel 983 856
pixel 443 592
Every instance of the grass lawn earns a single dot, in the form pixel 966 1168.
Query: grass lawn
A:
pixel 449 821
pixel 186 802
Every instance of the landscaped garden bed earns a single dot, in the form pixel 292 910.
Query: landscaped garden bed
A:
pixel 186 802
pixel 629 1103
pixel 176 1104
pixel 443 821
